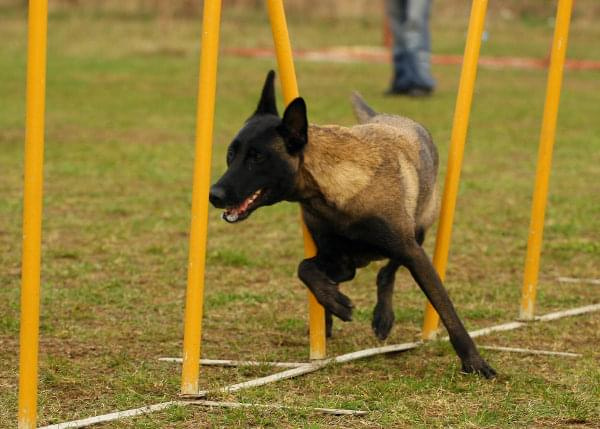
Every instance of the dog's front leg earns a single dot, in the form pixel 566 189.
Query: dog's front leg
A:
pixel 325 290
pixel 424 273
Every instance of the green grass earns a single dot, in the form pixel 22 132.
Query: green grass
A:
pixel 120 131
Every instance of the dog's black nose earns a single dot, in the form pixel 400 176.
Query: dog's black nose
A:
pixel 216 196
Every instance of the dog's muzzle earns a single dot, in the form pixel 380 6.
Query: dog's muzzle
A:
pixel 217 196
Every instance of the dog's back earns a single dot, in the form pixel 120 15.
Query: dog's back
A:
pixel 410 136
pixel 386 166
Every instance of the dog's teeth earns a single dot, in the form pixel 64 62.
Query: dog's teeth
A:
pixel 251 199
pixel 231 217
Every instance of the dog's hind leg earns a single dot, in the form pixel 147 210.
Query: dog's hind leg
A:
pixel 325 290
pixel 383 313
pixel 414 258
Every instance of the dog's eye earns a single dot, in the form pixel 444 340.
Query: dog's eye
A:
pixel 230 155
pixel 255 156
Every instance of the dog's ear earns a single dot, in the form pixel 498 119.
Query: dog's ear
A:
pixel 266 104
pixel 294 126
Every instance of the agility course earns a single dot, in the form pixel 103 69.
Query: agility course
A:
pixel 190 375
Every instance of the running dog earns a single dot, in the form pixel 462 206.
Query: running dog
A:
pixel 367 192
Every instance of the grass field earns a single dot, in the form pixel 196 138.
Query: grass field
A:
pixel 120 128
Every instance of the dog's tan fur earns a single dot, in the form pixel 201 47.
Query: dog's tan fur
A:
pixel 352 167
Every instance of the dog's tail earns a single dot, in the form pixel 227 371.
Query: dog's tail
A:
pixel 362 110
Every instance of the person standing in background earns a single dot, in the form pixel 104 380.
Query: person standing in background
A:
pixel 409 22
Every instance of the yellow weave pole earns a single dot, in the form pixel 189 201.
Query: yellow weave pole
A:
pixel 283 50
pixel 32 213
pixel 540 193
pixel 197 247
pixel 455 156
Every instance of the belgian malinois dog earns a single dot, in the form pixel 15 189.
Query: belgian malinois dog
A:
pixel 367 192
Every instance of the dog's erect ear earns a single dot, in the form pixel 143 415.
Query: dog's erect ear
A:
pixel 266 104
pixel 294 126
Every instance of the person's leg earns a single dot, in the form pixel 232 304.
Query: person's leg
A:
pixel 418 43
pixel 401 79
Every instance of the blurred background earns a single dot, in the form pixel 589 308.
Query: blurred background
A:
pixel 528 9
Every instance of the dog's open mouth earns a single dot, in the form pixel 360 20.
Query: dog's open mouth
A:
pixel 242 211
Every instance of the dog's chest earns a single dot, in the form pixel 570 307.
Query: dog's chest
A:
pixel 328 216
pixel 359 230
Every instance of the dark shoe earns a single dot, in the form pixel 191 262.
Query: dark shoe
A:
pixel 415 91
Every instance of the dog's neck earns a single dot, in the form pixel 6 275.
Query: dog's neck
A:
pixel 333 166
pixel 312 161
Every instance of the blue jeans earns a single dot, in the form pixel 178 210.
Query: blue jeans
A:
pixel 409 22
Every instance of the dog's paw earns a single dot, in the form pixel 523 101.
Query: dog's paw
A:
pixel 383 320
pixel 477 364
pixel 340 306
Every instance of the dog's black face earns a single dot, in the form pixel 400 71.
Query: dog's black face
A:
pixel 263 158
